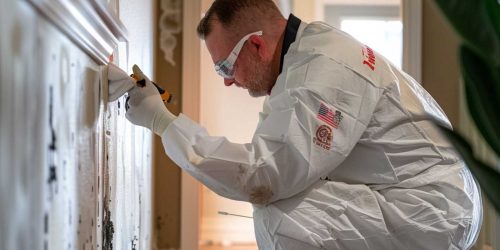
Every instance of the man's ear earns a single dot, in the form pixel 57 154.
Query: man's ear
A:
pixel 260 44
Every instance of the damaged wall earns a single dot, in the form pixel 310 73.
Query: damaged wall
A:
pixel 74 173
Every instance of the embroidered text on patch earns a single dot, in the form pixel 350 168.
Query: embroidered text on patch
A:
pixel 323 137
pixel 326 114
pixel 369 56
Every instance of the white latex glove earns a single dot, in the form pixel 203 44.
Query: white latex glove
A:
pixel 119 82
pixel 145 107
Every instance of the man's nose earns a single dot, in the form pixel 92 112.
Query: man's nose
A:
pixel 228 82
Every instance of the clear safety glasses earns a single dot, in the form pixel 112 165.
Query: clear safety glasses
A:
pixel 225 67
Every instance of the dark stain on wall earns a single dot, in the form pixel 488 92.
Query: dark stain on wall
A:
pixel 159 222
pixel 46 230
pixel 52 146
pixel 108 229
pixel 46 223
pixel 134 242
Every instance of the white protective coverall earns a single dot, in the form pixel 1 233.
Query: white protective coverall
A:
pixel 345 156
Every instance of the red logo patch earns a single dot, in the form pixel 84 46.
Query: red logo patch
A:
pixel 324 136
pixel 369 56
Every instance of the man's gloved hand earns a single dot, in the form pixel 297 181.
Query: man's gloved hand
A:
pixel 145 107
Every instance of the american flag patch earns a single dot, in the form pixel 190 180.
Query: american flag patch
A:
pixel 327 115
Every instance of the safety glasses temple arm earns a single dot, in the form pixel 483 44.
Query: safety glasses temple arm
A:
pixel 234 54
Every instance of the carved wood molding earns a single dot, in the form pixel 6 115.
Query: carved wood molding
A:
pixel 89 24
pixel 170 25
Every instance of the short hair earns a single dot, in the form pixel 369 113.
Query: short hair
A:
pixel 229 12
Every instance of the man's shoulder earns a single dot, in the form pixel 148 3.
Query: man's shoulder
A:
pixel 321 42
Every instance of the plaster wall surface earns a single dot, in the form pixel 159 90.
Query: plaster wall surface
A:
pixel 74 173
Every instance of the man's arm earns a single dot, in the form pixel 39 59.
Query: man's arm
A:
pixel 309 131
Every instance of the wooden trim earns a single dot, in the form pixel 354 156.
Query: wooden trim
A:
pixel 90 25
pixel 191 68
pixel 412 38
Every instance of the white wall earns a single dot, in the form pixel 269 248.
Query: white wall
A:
pixel 134 182
pixel 73 172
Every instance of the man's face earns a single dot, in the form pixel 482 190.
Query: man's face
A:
pixel 252 68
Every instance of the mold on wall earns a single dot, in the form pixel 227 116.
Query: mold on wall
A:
pixel 74 173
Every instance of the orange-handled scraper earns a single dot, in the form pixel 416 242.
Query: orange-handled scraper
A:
pixel 165 95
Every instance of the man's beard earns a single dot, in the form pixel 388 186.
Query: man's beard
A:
pixel 257 93
pixel 260 79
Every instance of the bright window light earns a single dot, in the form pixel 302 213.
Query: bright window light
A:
pixel 384 36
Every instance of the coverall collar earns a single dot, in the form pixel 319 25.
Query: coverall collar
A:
pixel 292 26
